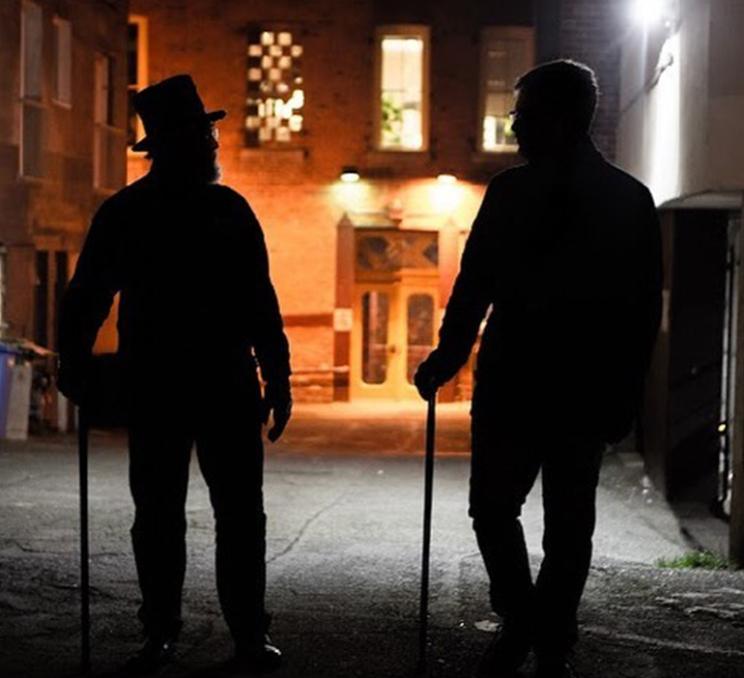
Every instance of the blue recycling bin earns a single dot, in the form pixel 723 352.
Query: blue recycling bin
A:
pixel 7 361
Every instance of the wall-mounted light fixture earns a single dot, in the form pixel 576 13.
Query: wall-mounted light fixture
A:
pixel 445 194
pixel 349 174
pixel 650 13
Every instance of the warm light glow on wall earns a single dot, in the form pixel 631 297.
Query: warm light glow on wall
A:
pixel 351 195
pixel 445 194
pixel 663 125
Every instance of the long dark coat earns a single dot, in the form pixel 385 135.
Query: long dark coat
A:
pixel 568 257
pixel 197 305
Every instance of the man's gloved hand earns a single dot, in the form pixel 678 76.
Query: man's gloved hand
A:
pixel 277 401
pixel 429 377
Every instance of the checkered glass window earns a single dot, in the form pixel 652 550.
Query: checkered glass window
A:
pixel 276 98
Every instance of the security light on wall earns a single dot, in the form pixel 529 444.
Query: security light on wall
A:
pixel 349 174
pixel 650 13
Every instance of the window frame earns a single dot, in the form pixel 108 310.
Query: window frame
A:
pixel 488 33
pixel 143 70
pixel 59 22
pixel 32 101
pixel 423 32
pixel 104 129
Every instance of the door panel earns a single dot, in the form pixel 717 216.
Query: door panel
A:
pixel 419 330
pixel 393 331
pixel 375 307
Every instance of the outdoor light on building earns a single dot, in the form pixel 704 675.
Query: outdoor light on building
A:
pixel 349 174
pixel 649 12
pixel 445 193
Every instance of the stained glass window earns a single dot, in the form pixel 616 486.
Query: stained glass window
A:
pixel 275 90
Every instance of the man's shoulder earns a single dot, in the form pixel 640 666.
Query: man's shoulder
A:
pixel 511 177
pixel 227 195
pixel 123 199
pixel 623 182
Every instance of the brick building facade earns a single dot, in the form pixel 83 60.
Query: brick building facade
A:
pixel 408 98
pixel 62 146
pixel 363 268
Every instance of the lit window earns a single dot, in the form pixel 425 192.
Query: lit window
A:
pixel 63 65
pixel 506 53
pixel 31 147
pixel 136 73
pixel 275 99
pixel 402 114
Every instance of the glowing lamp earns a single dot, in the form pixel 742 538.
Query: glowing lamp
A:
pixel 649 12
pixel 349 174
pixel 447 179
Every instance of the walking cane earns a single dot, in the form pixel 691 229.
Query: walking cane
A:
pixel 84 559
pixel 428 486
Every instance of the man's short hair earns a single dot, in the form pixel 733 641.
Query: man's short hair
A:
pixel 568 86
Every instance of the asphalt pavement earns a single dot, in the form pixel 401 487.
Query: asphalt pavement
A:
pixel 344 495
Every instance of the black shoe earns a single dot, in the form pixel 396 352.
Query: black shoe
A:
pixel 554 667
pixel 153 656
pixel 503 657
pixel 256 657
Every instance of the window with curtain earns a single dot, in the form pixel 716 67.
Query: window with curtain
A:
pixel 402 101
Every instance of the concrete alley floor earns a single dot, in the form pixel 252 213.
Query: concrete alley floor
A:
pixel 344 496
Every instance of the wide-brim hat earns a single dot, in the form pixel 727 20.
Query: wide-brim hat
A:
pixel 168 105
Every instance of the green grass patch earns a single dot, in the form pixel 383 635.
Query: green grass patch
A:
pixel 695 559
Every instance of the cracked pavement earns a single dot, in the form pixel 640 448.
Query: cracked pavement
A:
pixel 344 507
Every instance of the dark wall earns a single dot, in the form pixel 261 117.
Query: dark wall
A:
pixel 683 412
pixel 589 31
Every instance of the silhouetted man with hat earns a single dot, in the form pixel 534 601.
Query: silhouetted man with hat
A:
pixel 565 252
pixel 197 314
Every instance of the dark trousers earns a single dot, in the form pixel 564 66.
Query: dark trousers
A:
pixel 505 465
pixel 230 454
